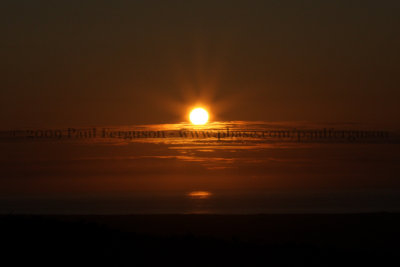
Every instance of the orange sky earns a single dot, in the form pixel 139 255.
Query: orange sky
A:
pixel 103 63
pixel 129 63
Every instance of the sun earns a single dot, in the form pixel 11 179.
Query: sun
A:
pixel 199 116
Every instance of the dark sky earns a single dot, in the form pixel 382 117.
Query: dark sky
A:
pixel 131 62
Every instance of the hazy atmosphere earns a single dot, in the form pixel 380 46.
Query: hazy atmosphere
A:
pixel 200 133
pixel 70 63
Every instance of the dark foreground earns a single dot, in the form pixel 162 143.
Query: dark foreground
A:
pixel 201 240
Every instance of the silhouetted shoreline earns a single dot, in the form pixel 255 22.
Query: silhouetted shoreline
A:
pixel 194 240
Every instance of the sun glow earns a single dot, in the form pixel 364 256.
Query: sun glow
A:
pixel 198 116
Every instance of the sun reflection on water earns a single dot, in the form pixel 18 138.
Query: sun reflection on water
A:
pixel 199 194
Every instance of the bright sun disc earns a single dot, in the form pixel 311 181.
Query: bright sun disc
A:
pixel 199 116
